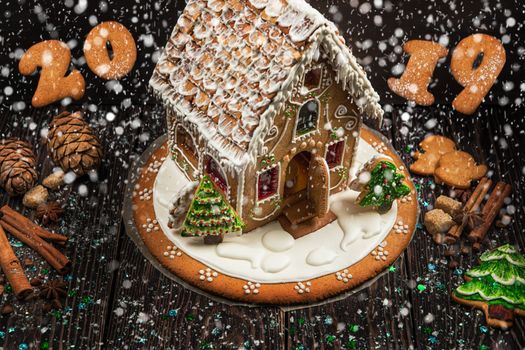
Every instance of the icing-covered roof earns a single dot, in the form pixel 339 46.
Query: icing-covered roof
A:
pixel 230 64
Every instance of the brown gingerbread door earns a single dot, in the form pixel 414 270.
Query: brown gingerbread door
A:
pixel 318 185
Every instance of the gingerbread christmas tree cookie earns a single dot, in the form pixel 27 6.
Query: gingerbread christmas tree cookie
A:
pixel 496 286
pixel 210 215
pixel 380 184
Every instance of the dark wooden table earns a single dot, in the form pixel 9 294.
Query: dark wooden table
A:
pixel 117 300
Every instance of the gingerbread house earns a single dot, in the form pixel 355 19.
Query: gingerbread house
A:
pixel 266 98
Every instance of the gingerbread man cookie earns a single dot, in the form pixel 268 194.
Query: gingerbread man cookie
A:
pixel 457 169
pixel 433 148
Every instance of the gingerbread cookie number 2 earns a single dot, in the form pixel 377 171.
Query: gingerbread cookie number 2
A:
pixel 53 56
pixel 476 80
pixel 122 45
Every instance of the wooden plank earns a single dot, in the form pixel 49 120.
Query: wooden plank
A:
pixel 91 221
pixel 439 321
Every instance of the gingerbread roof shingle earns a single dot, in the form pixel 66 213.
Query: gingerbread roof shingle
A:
pixel 230 64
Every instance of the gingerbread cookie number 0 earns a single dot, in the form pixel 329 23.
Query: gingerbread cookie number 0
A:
pixel 122 45
pixel 53 57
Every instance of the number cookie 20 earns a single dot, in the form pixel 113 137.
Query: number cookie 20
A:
pixel 122 44
pixel 53 56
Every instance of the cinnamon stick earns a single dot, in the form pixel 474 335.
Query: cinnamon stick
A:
pixel 13 269
pixel 54 257
pixel 490 211
pixel 472 204
pixel 12 216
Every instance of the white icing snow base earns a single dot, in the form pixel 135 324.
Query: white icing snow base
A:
pixel 269 254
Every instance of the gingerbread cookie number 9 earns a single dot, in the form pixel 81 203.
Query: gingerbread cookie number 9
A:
pixel 53 56
pixel 122 45
pixel 476 80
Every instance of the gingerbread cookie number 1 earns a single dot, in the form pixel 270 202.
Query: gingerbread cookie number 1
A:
pixel 54 57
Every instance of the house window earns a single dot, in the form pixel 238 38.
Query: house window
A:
pixel 307 119
pixel 268 183
pixel 187 146
pixel 334 154
pixel 217 175
pixel 312 79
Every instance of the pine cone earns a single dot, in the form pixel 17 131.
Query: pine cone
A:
pixel 17 166
pixel 72 144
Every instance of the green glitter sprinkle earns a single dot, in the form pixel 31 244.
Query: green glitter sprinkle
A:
pixel 330 339
pixel 45 271
pixel 421 287
pixel 392 268
pixel 483 347
pixel 8 288
pixel 351 343
pixel 353 328
pixel 301 321
pixel 204 345
pixel 291 330
pixel 190 317
pixel 427 330
pixel 44 345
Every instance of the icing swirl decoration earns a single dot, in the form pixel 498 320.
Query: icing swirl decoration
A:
pixel 342 113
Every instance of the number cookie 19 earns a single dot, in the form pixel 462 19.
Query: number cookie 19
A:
pixel 476 81
pixel 53 56
pixel 414 82
pixel 123 47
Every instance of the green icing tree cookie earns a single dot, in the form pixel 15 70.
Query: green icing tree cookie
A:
pixel 497 286
pixel 384 187
pixel 210 215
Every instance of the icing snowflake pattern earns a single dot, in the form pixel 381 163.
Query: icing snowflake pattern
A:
pixel 172 251
pixel 208 275
pixel 343 276
pixel 151 225
pixel 380 253
pixel 302 288
pixel 251 287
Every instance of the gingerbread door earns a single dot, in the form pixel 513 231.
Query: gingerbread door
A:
pixel 318 185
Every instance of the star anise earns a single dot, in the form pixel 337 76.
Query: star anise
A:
pixel 469 219
pixel 50 211
pixel 53 290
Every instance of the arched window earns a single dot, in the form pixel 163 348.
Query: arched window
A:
pixel 187 146
pixel 307 118
pixel 217 175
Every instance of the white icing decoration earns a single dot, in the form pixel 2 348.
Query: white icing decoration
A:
pixel 273 263
pixel 242 256
pixel 240 252
pixel 360 225
pixel 321 256
pixel 278 241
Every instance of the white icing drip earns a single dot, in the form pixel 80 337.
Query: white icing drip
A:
pixel 273 263
pixel 278 241
pixel 238 251
pixel 320 256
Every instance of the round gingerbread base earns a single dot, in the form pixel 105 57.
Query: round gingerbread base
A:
pixel 346 260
